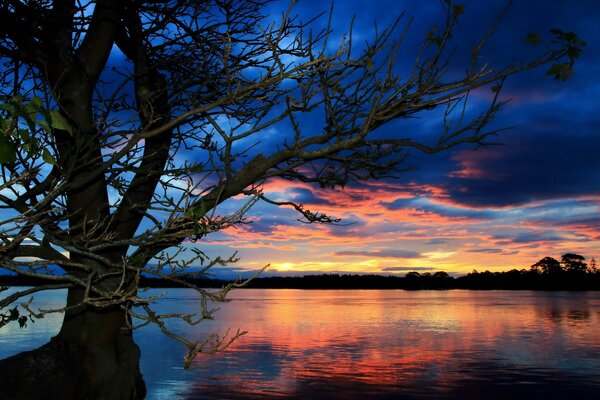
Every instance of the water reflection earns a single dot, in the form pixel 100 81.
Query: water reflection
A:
pixel 571 315
pixel 394 345
pixel 384 345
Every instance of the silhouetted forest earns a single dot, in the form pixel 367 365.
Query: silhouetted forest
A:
pixel 571 273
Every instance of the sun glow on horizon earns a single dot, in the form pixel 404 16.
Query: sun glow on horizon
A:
pixel 398 228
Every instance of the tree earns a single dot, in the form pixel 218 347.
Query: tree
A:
pixel 130 127
pixel 547 265
pixel 442 275
pixel 574 263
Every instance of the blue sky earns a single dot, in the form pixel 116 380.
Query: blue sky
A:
pixel 498 207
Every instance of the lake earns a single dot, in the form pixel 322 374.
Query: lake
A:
pixel 372 344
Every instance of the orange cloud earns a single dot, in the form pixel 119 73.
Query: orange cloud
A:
pixel 391 218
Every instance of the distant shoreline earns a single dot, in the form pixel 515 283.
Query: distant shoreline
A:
pixel 509 280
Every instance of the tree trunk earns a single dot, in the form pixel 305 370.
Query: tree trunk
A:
pixel 93 357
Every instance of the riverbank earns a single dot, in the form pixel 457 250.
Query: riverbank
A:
pixel 508 280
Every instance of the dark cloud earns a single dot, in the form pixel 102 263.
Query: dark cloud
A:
pixel 436 241
pixel 350 226
pixel 264 225
pixel 399 204
pixel 529 237
pixel 553 151
pixel 427 206
pixel 490 250
pixel 407 269
pixel 383 253
pixel 534 165
pixel 306 196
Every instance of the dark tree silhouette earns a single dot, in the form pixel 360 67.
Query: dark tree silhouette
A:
pixel 548 265
pixel 441 275
pixel 129 127
pixel 574 263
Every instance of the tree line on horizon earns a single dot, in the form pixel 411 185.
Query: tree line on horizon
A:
pixel 571 273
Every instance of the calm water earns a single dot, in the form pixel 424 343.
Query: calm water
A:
pixel 374 345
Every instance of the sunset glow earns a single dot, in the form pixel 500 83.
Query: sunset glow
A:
pixel 392 228
pixel 416 337
pixel 486 208
pixel 300 199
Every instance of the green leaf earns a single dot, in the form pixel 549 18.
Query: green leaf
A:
pixel 560 71
pixel 25 112
pixel 197 211
pixel 4 125
pixel 24 135
pixel 202 208
pixel 28 143
pixel 36 103
pixel 8 152
pixel 458 9
pixel 46 156
pixel 369 64
pixel 59 122
pixel 495 88
pixel 45 126
pixel 34 106
pixel 571 41
pixel 533 39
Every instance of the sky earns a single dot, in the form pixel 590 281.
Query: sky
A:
pixel 494 208
pixel 490 208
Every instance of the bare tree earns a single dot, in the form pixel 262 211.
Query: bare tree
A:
pixel 127 127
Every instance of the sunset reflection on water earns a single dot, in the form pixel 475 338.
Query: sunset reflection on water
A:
pixel 371 344
pixel 396 344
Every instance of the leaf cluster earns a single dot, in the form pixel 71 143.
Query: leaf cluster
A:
pixel 573 46
pixel 13 314
pixel 20 120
